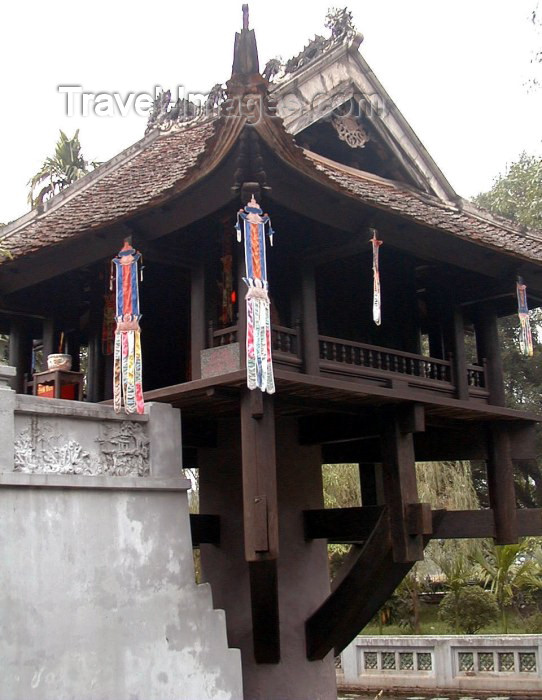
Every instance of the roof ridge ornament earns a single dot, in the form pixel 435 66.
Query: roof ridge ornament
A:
pixel 245 73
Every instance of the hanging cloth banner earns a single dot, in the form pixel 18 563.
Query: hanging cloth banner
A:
pixel 127 367
pixel 525 337
pixel 259 362
pixel 376 279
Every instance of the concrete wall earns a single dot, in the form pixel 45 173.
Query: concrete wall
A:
pixel 510 663
pixel 97 592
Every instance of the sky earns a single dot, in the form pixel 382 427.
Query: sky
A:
pixel 458 71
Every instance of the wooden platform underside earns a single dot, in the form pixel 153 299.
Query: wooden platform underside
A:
pixel 298 394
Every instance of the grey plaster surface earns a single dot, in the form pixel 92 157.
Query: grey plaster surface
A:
pixel 98 600
pixel 7 422
pixel 97 593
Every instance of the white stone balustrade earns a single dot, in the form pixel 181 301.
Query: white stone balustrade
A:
pixel 445 663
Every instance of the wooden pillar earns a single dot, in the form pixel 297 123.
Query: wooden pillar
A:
pixel 95 371
pixel 434 334
pixel 260 520
pixel 500 480
pixel 20 352
pixel 311 346
pixel 259 475
pixel 73 348
pixel 242 311
pixel 48 339
pixel 197 318
pixel 371 484
pixel 488 347
pixel 400 485
pixel 459 358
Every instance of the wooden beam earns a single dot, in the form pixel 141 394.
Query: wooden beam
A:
pixel 340 525
pixel 205 529
pixel 371 578
pixel 473 524
pixel 529 522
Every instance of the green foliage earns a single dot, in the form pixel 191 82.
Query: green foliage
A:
pixel 468 609
pixel 341 485
pixel 534 624
pixel 517 194
pixel 341 490
pixel 510 570
pixel 59 171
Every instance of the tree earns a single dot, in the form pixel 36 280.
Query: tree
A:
pixel 59 171
pixel 468 609
pixel 517 195
pixel 508 570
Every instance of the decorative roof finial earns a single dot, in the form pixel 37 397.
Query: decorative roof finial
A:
pixel 245 53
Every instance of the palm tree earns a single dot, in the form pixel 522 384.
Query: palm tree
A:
pixel 57 172
pixel 509 569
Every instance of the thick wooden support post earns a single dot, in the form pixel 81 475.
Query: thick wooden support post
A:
pixel 259 476
pixel 20 352
pixel 400 487
pixel 311 346
pixel 197 319
pixel 265 611
pixel 488 347
pixel 459 355
pixel 260 520
pixel 500 479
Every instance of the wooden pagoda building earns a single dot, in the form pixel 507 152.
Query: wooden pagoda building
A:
pixel 334 171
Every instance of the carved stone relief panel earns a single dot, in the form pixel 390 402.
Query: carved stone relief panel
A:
pixel 121 448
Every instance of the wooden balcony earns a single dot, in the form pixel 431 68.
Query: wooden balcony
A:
pixel 367 364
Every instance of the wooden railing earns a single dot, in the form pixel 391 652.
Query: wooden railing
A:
pixel 476 376
pixel 384 359
pixel 285 340
pixel 339 356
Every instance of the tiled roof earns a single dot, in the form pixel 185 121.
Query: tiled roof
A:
pixel 136 179
pixel 463 220
pixel 163 163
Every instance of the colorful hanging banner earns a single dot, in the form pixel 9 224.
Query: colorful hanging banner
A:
pixel 259 362
pixel 127 367
pixel 525 337
pixel 376 279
